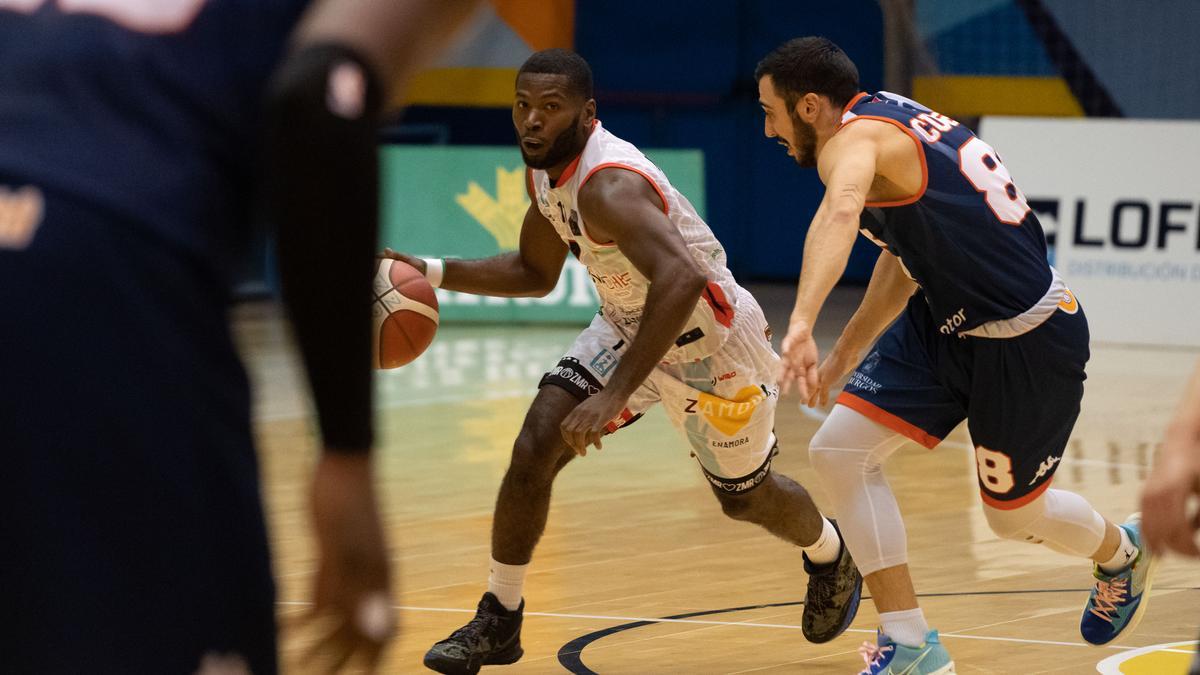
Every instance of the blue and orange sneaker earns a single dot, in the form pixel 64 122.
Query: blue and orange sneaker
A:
pixel 886 657
pixel 1118 601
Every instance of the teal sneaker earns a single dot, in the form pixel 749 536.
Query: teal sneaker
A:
pixel 888 658
pixel 1118 602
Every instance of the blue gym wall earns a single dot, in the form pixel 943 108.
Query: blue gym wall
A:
pixel 676 74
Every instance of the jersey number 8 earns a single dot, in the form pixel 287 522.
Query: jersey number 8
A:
pixel 981 165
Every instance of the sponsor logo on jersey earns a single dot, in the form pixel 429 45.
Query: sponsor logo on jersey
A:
pixel 603 362
pixel 870 363
pixel 860 381
pixel 1068 303
pixel 953 322
pixel 738 485
pixel 724 376
pixel 571 374
pixel 20 215
pixel 1045 467
pixel 619 283
pixel 729 416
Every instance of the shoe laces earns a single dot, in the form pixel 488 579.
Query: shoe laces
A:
pixel 477 627
pixel 1108 595
pixel 873 654
pixel 821 591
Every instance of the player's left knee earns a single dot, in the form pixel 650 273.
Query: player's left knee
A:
pixel 746 506
pixel 1015 523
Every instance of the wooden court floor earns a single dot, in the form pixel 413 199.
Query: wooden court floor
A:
pixel 639 571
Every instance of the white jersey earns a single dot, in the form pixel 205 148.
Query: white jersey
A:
pixel 621 287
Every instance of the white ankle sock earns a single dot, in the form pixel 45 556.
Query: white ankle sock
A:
pixel 826 548
pixel 505 582
pixel 907 627
pixel 1126 552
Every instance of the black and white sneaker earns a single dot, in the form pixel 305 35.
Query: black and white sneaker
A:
pixel 834 591
pixel 492 638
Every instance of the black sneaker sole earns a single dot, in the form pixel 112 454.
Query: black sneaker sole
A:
pixel 448 666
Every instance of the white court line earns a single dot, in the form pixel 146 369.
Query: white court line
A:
pixel 631 619
pixel 1112 665
pixel 279 416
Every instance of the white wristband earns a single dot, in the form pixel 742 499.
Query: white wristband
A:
pixel 435 268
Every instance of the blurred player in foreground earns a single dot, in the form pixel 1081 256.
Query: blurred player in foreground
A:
pixel 674 328
pixel 972 323
pixel 1171 493
pixel 130 133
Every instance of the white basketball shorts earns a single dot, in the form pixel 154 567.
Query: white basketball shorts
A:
pixel 723 404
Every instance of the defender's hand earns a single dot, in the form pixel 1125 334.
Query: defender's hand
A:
pixel 799 354
pixel 837 364
pixel 352 606
pixel 585 424
pixel 1170 493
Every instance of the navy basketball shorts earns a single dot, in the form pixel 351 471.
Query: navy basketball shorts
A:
pixel 723 404
pixel 1020 396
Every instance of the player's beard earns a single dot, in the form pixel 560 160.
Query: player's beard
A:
pixel 804 142
pixel 565 146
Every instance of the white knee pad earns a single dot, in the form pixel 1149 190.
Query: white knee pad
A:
pixel 848 452
pixel 1063 521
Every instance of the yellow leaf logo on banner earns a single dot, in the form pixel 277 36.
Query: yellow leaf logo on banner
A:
pixel 503 214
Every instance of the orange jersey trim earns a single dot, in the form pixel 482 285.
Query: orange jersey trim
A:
pixel 643 174
pixel 568 172
pixel 920 156
pixel 887 419
pixel 573 166
pixel 853 102
pixel 1017 503
pixel 618 165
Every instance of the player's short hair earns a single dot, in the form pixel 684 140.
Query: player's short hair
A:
pixel 810 64
pixel 562 62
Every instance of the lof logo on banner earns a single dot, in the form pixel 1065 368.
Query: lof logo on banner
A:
pixel 1120 203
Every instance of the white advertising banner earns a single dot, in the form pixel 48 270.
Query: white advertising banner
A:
pixel 1120 203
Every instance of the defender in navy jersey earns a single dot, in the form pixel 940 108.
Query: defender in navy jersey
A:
pixel 978 327
pixel 130 134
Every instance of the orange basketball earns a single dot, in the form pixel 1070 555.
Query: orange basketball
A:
pixel 405 313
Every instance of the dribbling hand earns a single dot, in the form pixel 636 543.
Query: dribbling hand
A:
pixel 417 263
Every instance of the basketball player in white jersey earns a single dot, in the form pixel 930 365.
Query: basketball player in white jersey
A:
pixel 674 328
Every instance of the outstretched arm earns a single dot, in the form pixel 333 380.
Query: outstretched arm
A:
pixel 886 295
pixel 848 167
pixel 622 207
pixel 530 271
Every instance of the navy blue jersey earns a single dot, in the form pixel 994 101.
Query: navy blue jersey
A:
pixel 141 111
pixel 968 237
